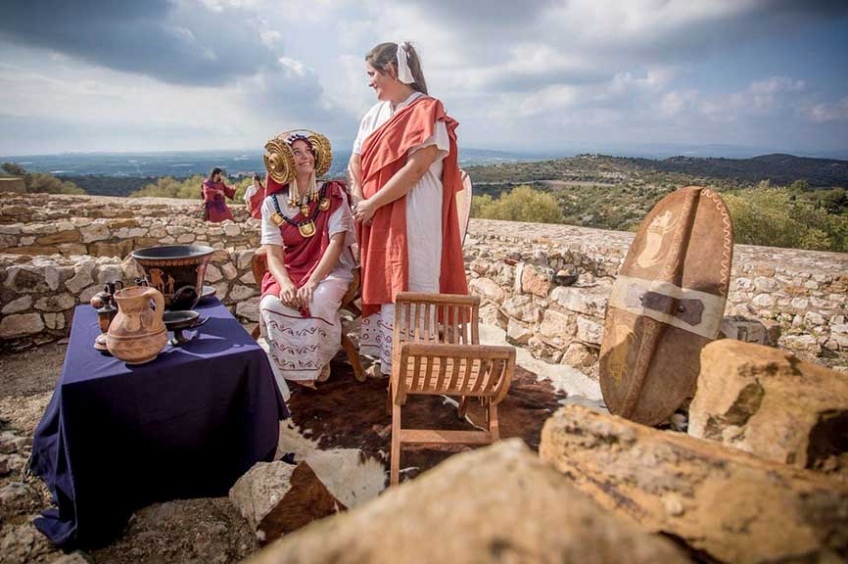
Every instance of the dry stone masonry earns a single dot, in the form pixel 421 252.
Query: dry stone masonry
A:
pixel 545 285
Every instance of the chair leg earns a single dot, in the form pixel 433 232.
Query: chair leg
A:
pixel 494 430
pixel 256 332
pixel 394 473
pixel 462 408
pixel 353 358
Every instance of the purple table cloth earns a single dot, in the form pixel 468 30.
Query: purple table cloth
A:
pixel 115 438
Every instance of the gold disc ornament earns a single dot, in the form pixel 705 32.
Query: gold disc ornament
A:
pixel 279 160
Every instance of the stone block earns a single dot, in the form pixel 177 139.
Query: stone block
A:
pixel 771 404
pixel 725 503
pixel 536 280
pixel 589 331
pixel 517 333
pixel 248 309
pixel 277 498
pixel 56 302
pixel 580 356
pixel 17 305
pixel 490 314
pixel 589 301
pixel 21 324
pixel 32 251
pixel 97 231
pixel 82 276
pixel 486 288
pixel 522 308
pixel 240 293
pixel 229 271
pixel 557 324
pixel 497 504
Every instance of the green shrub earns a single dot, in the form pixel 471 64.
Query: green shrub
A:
pixel 775 217
pixel 523 203
pixel 41 182
pixel 188 189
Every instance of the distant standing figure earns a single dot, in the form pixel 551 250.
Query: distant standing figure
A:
pixel 214 191
pixel 254 196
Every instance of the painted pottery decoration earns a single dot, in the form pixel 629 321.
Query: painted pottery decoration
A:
pixel 137 334
pixel 666 305
pixel 177 271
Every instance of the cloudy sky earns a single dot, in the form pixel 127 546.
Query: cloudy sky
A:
pixel 554 75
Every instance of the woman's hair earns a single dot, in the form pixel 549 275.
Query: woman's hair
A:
pixel 257 177
pixel 216 170
pixel 384 55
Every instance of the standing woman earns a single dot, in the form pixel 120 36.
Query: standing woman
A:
pixel 214 191
pixel 405 177
pixel 254 196
pixel 307 230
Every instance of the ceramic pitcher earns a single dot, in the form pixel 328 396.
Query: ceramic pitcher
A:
pixel 137 334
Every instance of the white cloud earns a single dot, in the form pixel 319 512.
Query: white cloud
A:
pixel 564 70
pixel 823 113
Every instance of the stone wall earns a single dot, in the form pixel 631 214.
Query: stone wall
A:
pixel 546 285
pixel 12 184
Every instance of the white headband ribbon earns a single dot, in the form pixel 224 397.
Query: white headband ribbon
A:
pixel 403 73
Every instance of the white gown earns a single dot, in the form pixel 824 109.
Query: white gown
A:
pixel 299 347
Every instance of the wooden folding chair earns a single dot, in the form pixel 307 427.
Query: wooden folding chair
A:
pixel 436 351
pixel 259 266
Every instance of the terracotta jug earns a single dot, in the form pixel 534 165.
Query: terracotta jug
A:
pixel 137 334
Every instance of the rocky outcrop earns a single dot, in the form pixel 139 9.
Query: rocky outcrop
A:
pixel 771 404
pixel 500 503
pixel 278 498
pixel 719 500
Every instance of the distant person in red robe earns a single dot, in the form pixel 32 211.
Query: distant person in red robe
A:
pixel 254 196
pixel 405 179
pixel 214 191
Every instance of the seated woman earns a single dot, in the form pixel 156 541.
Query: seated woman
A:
pixel 214 191
pixel 307 230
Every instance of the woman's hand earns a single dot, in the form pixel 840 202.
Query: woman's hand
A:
pixel 364 211
pixel 288 295
pixel 305 293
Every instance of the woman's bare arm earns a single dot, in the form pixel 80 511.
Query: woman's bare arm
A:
pixel 355 168
pixel 325 266
pixel 277 266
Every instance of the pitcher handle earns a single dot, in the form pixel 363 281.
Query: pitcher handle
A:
pixel 159 299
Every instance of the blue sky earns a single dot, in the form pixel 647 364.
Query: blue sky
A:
pixel 738 76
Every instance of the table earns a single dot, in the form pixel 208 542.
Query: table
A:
pixel 115 438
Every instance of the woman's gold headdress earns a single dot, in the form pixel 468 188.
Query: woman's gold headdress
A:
pixel 279 160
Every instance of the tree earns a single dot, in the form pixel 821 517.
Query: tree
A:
pixel 13 169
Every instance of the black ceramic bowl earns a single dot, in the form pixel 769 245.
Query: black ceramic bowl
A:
pixel 177 271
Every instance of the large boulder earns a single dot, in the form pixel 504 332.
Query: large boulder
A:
pixel 500 503
pixel 720 501
pixel 771 404
pixel 277 498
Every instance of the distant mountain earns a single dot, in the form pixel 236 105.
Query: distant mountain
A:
pixel 778 168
